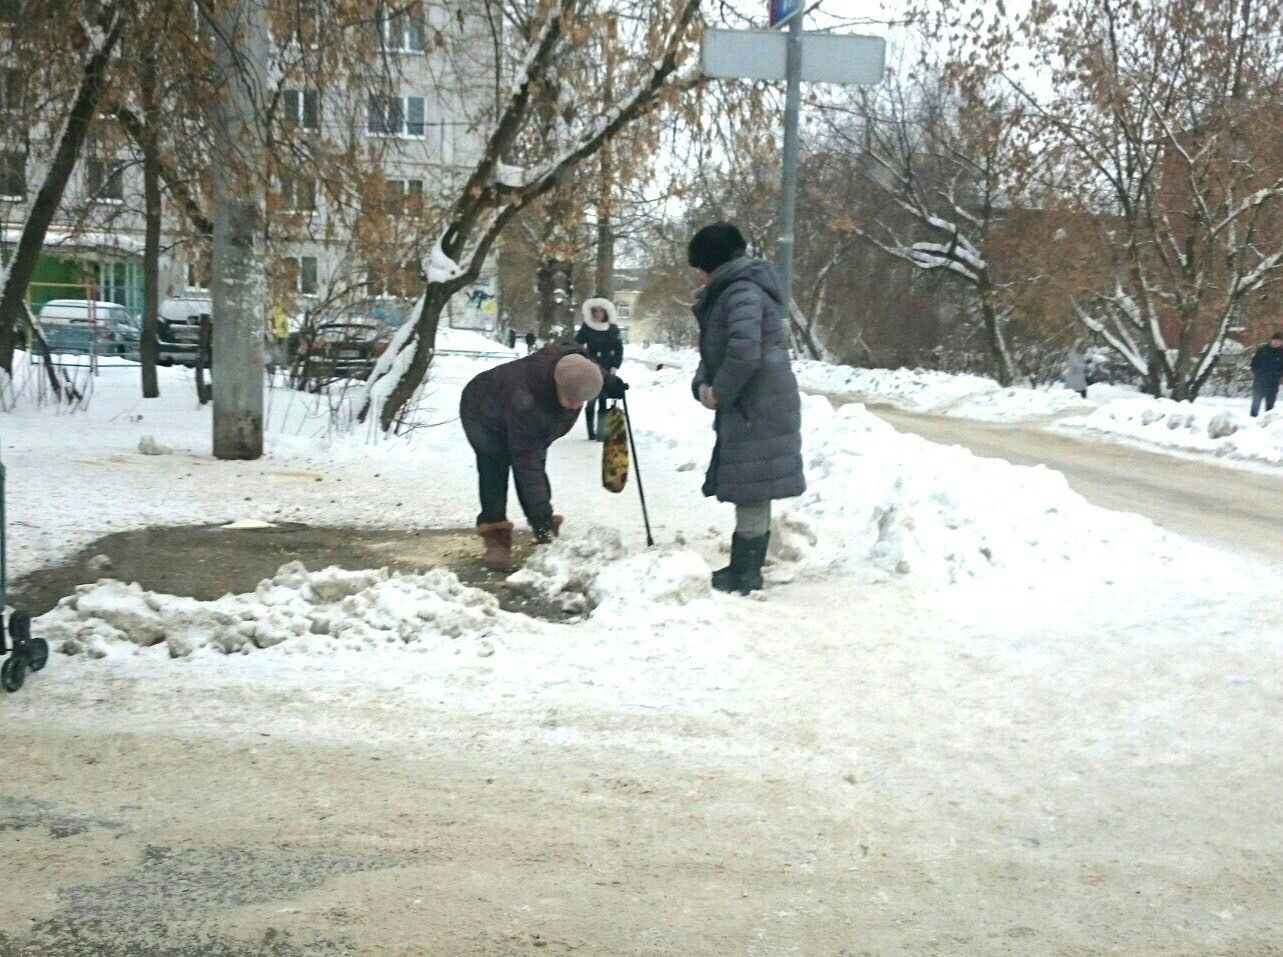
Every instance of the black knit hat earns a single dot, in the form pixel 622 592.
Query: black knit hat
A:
pixel 715 246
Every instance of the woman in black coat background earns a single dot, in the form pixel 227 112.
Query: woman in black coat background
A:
pixel 602 340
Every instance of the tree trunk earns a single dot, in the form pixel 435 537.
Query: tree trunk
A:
pixel 151 236
pixel 204 345
pixel 605 254
pixel 996 339
pixel 23 264
pixel 435 298
pixel 239 288
pixel 605 228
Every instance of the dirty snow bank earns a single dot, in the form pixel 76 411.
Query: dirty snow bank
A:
pixel 937 393
pixel 1217 430
pixel 882 502
pixel 897 503
pixel 591 571
pixel 300 610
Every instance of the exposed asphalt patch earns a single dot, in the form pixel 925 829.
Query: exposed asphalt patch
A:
pixel 206 562
pixel 161 907
pixel 17 815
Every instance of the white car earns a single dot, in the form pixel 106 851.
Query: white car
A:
pixel 81 326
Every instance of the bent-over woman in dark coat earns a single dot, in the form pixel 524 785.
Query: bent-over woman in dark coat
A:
pixel 511 414
pixel 746 378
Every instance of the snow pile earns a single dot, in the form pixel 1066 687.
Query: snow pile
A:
pixel 1228 433
pixel 896 503
pixel 663 355
pixel 301 610
pixel 440 267
pixel 590 571
pixel 938 393
pixel 468 340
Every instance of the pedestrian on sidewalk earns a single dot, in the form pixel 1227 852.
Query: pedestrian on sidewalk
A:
pixel 511 414
pixel 1076 372
pixel 1267 369
pixel 512 338
pixel 746 378
pixel 530 342
pixel 601 338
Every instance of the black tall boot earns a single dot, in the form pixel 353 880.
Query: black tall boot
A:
pixel 591 419
pixel 744 573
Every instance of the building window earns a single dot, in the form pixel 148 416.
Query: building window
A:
pixel 106 181
pixel 403 197
pixel 198 276
pixel 303 109
pixel 304 23
pixel 397 116
pixel 624 310
pixel 303 271
pixel 402 31
pixel 11 90
pixel 298 195
pixel 13 175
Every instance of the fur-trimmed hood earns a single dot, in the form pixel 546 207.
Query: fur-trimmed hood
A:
pixel 599 303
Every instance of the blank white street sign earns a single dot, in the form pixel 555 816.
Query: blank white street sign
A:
pixel 826 57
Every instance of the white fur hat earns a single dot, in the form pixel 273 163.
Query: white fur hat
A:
pixel 599 303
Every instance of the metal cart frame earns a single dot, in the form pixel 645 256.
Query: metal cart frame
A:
pixel 25 652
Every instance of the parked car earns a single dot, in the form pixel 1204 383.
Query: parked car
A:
pixel 178 328
pixel 81 327
pixel 340 350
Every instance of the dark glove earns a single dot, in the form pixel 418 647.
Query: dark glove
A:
pixel 615 387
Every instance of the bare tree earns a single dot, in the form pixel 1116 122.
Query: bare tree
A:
pixel 495 192
pixel 1166 125
pixel 96 29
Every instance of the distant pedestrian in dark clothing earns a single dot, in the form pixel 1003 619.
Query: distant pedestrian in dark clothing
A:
pixel 530 342
pixel 512 338
pixel 511 414
pixel 745 376
pixel 601 338
pixel 1267 369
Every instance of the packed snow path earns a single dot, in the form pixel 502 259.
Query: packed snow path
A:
pixel 1236 509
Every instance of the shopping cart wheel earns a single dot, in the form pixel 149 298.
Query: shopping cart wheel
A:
pixel 36 650
pixel 37 653
pixel 14 671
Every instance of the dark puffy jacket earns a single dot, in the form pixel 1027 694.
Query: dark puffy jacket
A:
pixel 605 346
pixel 1267 363
pixel 744 356
pixel 513 410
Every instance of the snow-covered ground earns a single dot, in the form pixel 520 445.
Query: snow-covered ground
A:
pixel 880 504
pixel 958 663
pixel 1213 426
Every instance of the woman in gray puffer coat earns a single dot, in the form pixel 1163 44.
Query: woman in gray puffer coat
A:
pixel 745 376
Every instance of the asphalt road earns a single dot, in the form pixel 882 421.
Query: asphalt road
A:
pixel 1230 508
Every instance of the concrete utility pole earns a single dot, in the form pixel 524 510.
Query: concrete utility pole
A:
pixel 788 188
pixel 239 286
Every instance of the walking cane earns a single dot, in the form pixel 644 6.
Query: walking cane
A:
pixel 641 492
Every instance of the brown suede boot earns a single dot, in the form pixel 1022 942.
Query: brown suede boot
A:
pixel 498 539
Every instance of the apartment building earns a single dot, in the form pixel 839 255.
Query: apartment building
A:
pixel 417 123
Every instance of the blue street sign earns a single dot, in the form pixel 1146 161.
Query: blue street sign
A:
pixel 781 10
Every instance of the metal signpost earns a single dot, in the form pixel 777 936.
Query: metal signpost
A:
pixel 794 57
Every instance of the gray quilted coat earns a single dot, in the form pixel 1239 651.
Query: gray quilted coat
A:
pixel 744 356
